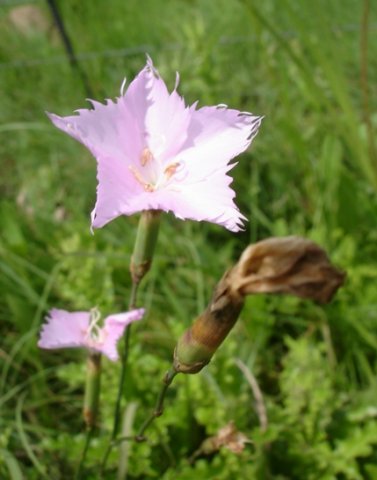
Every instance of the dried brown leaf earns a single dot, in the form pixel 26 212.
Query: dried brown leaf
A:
pixel 228 437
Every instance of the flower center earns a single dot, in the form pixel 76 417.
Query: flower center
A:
pixel 153 175
pixel 94 333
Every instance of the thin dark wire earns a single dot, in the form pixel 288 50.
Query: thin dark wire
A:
pixel 6 3
pixel 80 57
pixel 68 45
pixel 126 52
pixel 364 80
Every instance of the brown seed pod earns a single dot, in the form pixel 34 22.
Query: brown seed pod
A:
pixel 287 265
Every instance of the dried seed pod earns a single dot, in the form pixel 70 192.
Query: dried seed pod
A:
pixel 197 345
pixel 288 265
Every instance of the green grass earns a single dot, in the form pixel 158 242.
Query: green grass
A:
pixel 312 171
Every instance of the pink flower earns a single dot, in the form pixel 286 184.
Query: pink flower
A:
pixel 80 329
pixel 154 152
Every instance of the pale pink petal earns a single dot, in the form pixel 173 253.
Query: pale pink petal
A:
pixel 116 187
pixel 153 152
pixel 114 138
pixel 162 117
pixel 162 121
pixel 208 200
pixel 215 136
pixel 64 329
pixel 114 328
pixel 106 130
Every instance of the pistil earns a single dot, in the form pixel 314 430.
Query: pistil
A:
pixel 147 158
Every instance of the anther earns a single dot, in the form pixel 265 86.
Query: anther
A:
pixel 146 156
pixel 171 169
pixel 148 187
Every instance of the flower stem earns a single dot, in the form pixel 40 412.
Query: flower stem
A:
pixel 141 260
pixel 126 343
pixel 91 402
pixel 88 438
pixel 364 82
pixel 126 447
pixel 159 408
pixel 92 389
pixel 146 239
pixel 118 403
pixel 157 412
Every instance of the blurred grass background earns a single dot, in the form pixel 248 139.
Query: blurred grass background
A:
pixel 311 69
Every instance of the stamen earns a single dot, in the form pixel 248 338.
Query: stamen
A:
pixel 94 333
pixel 148 187
pixel 171 169
pixel 137 175
pixel 146 156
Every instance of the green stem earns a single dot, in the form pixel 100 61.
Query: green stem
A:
pixel 364 83
pixel 146 238
pixel 91 402
pixel 118 403
pixel 88 437
pixel 126 343
pixel 92 389
pixel 126 447
pixel 157 412
pixel 133 295
pixel 159 408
